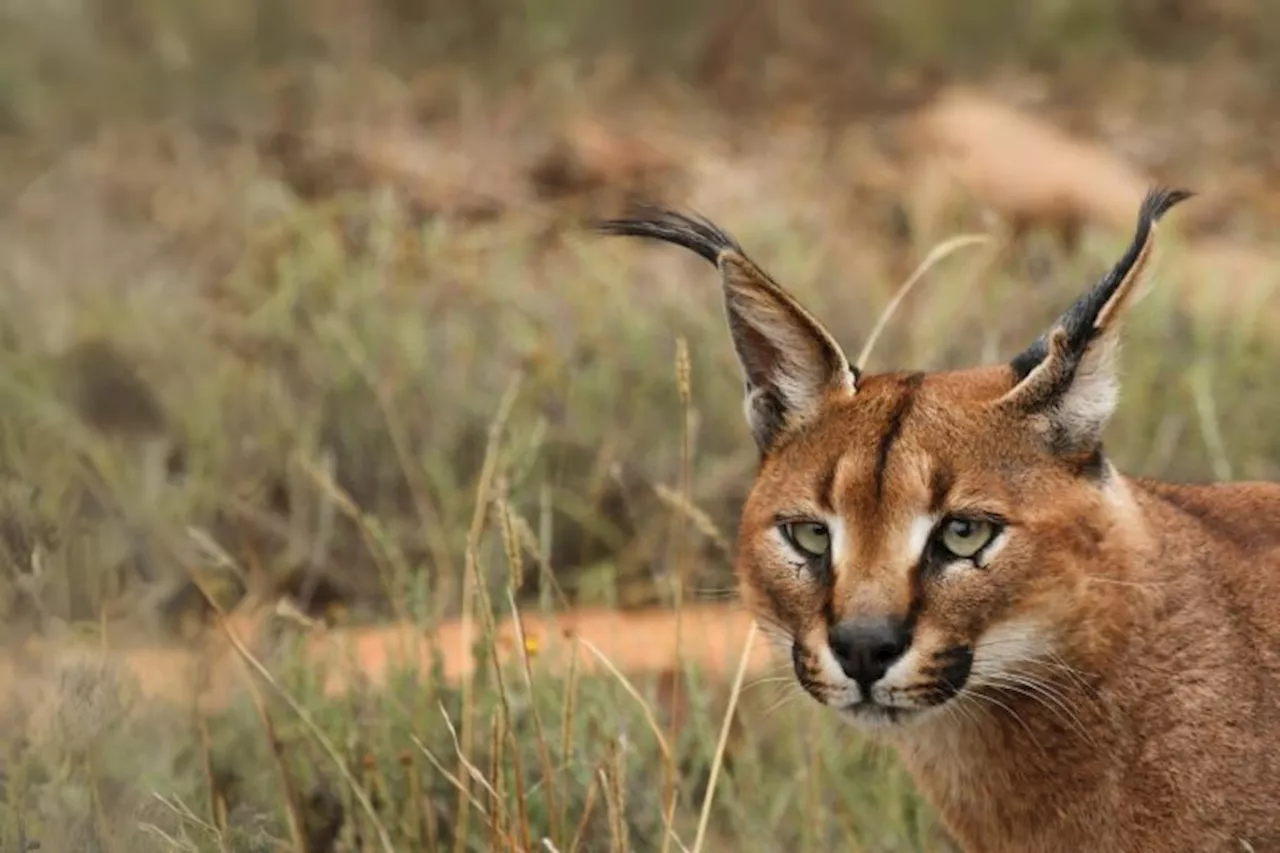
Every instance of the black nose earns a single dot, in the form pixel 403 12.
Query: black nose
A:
pixel 866 647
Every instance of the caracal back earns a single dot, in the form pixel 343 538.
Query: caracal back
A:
pixel 1066 658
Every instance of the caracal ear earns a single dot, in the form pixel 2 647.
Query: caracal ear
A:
pixel 1066 382
pixel 791 364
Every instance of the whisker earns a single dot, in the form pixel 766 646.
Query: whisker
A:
pixel 712 593
pixel 963 705
pixel 1045 698
pixel 1046 658
pixel 977 693
pixel 1078 678
pixel 1082 678
pixel 768 679
pixel 768 623
pixel 1134 584
pixel 1068 695
pixel 790 696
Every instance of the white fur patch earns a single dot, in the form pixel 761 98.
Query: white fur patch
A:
pixel 904 672
pixel 1115 492
pixel 796 368
pixel 1094 393
pixel 1008 645
pixel 918 538
pixel 828 666
pixel 993 548
pixel 843 689
pixel 839 540
pixel 798 372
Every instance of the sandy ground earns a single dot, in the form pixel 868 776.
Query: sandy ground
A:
pixel 213 672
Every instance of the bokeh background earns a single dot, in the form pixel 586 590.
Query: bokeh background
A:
pixel 296 293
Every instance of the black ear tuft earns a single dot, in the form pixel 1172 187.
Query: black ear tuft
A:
pixel 694 233
pixel 1081 321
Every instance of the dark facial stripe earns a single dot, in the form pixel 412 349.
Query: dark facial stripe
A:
pixel 909 385
pixel 1092 466
pixel 827 488
pixel 915 604
pixel 955 664
pixel 829 604
pixel 940 484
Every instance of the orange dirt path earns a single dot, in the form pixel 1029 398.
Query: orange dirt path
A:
pixel 711 639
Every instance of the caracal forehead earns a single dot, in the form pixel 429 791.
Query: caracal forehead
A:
pixel 901 441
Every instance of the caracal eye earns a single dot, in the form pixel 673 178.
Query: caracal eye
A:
pixel 965 537
pixel 810 538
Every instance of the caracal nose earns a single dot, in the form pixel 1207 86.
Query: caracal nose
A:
pixel 866 646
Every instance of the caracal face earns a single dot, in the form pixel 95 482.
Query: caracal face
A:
pixel 903 554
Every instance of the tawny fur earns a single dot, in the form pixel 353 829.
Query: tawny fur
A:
pixel 1123 685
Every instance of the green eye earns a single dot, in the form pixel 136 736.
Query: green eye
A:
pixel 965 537
pixel 810 538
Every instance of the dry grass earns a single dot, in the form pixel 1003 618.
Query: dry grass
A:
pixel 449 400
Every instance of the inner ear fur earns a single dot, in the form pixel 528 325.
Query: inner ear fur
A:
pixel 791 364
pixel 1066 381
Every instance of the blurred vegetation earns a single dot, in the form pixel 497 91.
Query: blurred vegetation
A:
pixel 219 325
pixel 68 66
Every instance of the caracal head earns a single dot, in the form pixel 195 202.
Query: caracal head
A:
pixel 911 537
